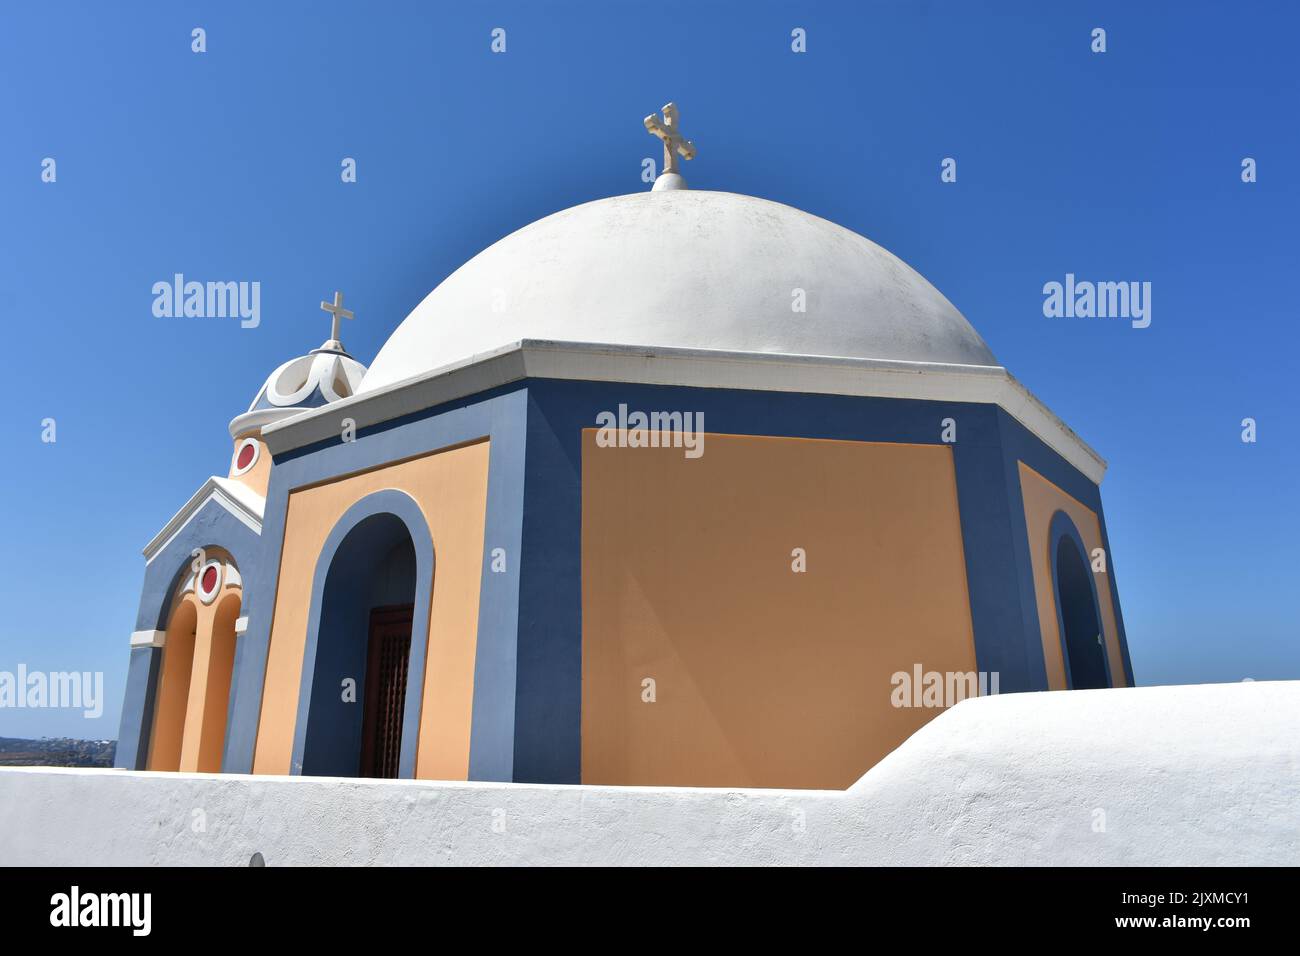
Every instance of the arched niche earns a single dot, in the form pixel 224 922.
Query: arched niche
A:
pixel 1078 614
pixel 174 687
pixel 192 697
pixel 363 664
pixel 220 669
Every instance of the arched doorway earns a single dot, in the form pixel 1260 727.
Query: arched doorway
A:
pixel 364 669
pixel 173 687
pixel 1082 640
pixel 192 700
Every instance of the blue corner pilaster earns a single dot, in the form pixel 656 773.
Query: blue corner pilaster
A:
pixel 137 708
pixel 492 734
pixel 548 695
pixel 998 572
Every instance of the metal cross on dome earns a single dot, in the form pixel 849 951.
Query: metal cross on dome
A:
pixel 338 312
pixel 674 143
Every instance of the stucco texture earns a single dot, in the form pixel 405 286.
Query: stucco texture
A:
pixel 764 676
pixel 1162 776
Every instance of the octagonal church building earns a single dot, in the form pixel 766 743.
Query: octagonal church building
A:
pixel 678 488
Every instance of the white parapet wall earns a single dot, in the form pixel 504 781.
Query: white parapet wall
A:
pixel 1193 775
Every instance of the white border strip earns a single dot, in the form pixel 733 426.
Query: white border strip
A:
pixel 236 497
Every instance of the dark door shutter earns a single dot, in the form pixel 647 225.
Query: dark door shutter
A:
pixel 385 693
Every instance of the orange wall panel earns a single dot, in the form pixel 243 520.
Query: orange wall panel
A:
pixel 1042 500
pixel 174 687
pixel 220 669
pixel 259 476
pixel 764 677
pixel 451 489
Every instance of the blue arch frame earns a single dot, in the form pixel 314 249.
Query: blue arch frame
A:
pixel 1063 528
pixel 211 526
pixel 403 507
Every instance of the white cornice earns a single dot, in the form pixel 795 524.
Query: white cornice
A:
pixel 236 497
pixel 701 368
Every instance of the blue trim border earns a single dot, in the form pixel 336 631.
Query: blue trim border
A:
pixel 403 507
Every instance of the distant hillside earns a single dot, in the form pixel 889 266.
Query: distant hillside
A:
pixel 56 752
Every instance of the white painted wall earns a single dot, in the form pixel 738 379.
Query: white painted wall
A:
pixel 1196 775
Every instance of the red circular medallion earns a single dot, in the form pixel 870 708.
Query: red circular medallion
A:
pixel 209 579
pixel 245 456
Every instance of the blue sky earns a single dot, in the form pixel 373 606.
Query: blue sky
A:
pixel 225 165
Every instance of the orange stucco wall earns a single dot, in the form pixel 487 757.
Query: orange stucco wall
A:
pixel 451 489
pixel 763 677
pixel 214 664
pixel 259 476
pixel 173 687
pixel 1042 500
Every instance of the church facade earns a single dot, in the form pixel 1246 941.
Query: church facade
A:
pixel 673 488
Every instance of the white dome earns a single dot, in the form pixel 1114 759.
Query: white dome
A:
pixel 683 269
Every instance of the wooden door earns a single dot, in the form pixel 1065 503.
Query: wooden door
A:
pixel 384 699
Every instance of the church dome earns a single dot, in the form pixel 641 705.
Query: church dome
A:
pixel 324 375
pixel 684 269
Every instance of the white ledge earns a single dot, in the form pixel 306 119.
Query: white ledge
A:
pixel 148 638
pixel 698 368
pixel 1150 776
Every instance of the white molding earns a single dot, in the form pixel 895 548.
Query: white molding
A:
pixel 257 419
pixel 288 399
pixel 701 368
pixel 148 638
pixel 236 497
pixel 241 625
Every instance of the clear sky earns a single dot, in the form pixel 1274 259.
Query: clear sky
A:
pixel 225 165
